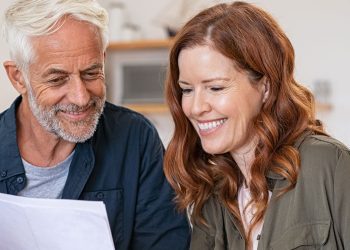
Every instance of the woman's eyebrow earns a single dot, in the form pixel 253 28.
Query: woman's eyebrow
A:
pixel 183 82
pixel 216 79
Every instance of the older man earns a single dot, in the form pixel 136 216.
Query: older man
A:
pixel 60 139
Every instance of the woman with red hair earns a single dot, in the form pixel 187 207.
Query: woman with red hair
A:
pixel 248 160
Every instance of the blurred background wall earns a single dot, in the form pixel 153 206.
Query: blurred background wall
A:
pixel 318 29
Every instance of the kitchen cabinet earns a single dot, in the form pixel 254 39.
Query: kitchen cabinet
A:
pixel 135 72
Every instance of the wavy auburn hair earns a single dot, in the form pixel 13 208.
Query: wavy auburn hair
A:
pixel 257 45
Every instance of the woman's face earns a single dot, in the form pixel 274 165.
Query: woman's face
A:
pixel 219 100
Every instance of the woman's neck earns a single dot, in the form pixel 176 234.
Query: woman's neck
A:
pixel 245 158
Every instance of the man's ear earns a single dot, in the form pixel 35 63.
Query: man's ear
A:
pixel 266 89
pixel 15 75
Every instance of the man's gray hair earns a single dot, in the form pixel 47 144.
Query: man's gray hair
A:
pixel 30 18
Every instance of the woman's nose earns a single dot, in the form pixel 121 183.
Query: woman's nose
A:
pixel 200 104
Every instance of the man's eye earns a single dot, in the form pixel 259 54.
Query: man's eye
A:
pixel 92 75
pixel 58 80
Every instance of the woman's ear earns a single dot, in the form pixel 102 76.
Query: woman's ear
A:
pixel 266 89
pixel 15 75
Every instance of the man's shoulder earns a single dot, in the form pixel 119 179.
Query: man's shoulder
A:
pixel 2 115
pixel 8 117
pixel 117 121
pixel 112 109
pixel 119 113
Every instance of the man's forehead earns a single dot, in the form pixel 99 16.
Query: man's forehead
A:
pixel 72 34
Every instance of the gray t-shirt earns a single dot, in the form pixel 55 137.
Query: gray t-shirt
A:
pixel 46 182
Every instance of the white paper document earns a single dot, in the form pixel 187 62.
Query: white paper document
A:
pixel 50 224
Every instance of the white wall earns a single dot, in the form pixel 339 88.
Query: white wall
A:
pixel 7 92
pixel 319 31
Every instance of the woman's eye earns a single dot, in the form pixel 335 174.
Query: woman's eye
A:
pixel 186 91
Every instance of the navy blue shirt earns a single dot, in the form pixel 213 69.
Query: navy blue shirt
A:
pixel 120 165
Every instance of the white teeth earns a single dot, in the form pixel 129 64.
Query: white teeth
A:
pixel 74 112
pixel 210 125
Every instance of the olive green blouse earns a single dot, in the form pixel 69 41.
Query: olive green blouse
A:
pixel 314 215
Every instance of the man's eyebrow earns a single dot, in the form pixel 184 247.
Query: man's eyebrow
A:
pixel 94 66
pixel 53 71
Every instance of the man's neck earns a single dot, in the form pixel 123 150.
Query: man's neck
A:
pixel 36 145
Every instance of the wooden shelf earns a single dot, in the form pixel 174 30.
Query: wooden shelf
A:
pixel 141 44
pixel 148 107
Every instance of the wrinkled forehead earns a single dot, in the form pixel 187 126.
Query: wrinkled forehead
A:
pixel 71 34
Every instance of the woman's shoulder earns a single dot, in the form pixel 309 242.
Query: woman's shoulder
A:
pixel 322 146
pixel 322 153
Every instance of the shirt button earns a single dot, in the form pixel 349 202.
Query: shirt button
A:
pixel 3 173
pixel 100 195
pixel 20 180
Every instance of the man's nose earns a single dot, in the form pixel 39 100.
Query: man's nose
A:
pixel 78 93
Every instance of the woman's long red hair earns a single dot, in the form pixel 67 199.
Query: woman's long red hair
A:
pixel 257 45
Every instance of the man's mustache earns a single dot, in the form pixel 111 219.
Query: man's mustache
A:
pixel 75 108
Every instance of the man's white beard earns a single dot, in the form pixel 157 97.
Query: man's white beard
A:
pixel 47 117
